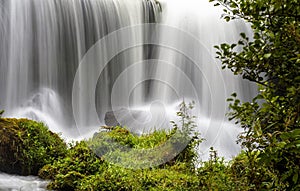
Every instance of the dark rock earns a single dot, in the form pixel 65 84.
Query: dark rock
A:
pixel 110 118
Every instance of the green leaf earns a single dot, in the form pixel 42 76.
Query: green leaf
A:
pixel 233 45
pixel 266 56
pixel 295 178
pixel 229 99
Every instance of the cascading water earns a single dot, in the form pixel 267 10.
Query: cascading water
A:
pixel 212 85
pixel 44 45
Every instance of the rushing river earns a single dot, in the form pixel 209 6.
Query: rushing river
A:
pixel 21 183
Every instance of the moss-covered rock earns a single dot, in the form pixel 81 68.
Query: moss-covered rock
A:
pixel 26 146
pixel 89 165
pixel 66 173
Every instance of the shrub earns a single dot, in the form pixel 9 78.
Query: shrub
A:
pixel 82 169
pixel 127 158
pixel 162 147
pixel 271 59
pixel 78 163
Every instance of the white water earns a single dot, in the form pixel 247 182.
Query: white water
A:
pixel 21 183
pixel 213 85
pixel 44 42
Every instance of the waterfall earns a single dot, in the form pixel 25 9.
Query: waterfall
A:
pixel 42 45
pixel 68 62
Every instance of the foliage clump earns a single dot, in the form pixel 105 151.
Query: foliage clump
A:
pixel 119 160
pixel 82 169
pixel 67 172
pixel 26 146
pixel 161 147
pixel 270 58
pixel 87 165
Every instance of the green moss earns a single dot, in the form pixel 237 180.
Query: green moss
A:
pixel 120 160
pixel 26 146
pixel 82 169
pixel 66 173
pixel 105 163
pixel 116 178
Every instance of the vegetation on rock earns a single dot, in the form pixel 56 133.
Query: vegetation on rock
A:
pixel 91 165
pixel 26 146
pixel 83 170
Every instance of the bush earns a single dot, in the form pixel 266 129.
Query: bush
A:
pixel 67 172
pixel 119 160
pixel 116 178
pixel 26 146
pixel 271 59
pixel 82 169
pixel 122 148
pixel 162 147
